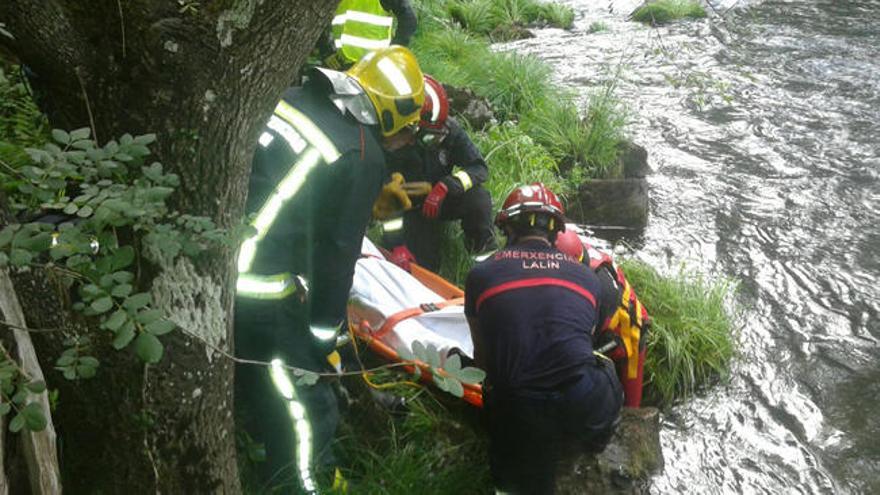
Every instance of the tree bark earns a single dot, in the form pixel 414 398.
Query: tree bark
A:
pixel 39 447
pixel 204 76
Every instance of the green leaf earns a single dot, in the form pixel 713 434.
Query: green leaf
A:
pixel 70 373
pixel 145 139
pixel 160 327
pixel 137 301
pixel 60 136
pixel 71 208
pixel 5 407
pixel 36 387
pixel 86 371
pixel 124 336
pixel 4 260
pixel 81 133
pixel 116 320
pixel 89 361
pixel 471 375
pixel 305 377
pixel 102 305
pixel 433 356
pixel 454 387
pixel 148 348
pixel 404 353
pixel 84 211
pixel 123 277
pixel 122 257
pixel 6 235
pixel 17 423
pixel 65 360
pixel 148 316
pixel 20 257
pixel 121 290
pixel 34 418
pixel 453 364
pixel 419 350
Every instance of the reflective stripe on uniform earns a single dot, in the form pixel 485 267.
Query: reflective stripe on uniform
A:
pixel 393 225
pixel 463 177
pixel 368 43
pixel 276 286
pixel 293 126
pixel 365 17
pixel 324 333
pixel 301 425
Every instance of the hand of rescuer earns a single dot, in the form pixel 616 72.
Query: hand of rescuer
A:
pixel 392 198
pixel 402 257
pixel 431 207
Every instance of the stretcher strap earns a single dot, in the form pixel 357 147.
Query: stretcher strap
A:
pixel 396 318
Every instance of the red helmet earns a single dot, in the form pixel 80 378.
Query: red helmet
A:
pixel 533 198
pixel 570 243
pixel 436 106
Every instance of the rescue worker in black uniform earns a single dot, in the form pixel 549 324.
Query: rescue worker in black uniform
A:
pixel 532 312
pixel 317 170
pixel 443 155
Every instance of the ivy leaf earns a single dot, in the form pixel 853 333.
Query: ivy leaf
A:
pixel 405 354
pixel 160 327
pixel 124 336
pixel 305 377
pixel 122 257
pixel 5 407
pixel 454 387
pixel 34 418
pixel 121 290
pixel 148 348
pixel 116 320
pixel 471 375
pixel 145 139
pixel 17 423
pixel 136 301
pixel 81 133
pixel 102 305
pixel 148 316
pixel 453 364
pixel 419 350
pixel 36 387
pixel 61 136
pixel 20 257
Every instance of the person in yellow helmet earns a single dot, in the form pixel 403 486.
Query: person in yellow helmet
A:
pixel 316 173
pixel 361 26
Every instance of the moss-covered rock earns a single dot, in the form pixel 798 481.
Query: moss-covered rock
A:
pixel 626 465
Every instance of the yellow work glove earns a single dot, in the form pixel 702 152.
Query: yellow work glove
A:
pixel 391 199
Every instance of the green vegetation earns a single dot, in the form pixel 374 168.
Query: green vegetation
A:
pixel 664 11
pixel 21 123
pixel 503 20
pixel 692 337
pixel 597 27
pixel 435 447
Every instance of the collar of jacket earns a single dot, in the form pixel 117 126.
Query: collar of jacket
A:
pixel 348 95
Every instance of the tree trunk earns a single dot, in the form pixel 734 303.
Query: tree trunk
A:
pixel 204 76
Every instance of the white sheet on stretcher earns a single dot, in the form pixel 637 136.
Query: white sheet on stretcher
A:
pixel 387 288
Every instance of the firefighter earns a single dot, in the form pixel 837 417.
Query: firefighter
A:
pixel 532 313
pixel 317 170
pixel 623 320
pixel 443 156
pixel 360 26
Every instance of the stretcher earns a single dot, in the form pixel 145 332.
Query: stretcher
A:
pixel 391 308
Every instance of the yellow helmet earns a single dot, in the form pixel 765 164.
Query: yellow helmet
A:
pixel 393 81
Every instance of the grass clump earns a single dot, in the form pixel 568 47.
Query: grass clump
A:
pixel 664 11
pixel 503 19
pixel 692 337
pixel 597 27
pixel 434 447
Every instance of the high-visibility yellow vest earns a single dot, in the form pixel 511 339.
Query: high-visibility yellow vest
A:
pixel 311 147
pixel 361 26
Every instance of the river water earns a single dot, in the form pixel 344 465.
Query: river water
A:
pixel 762 123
